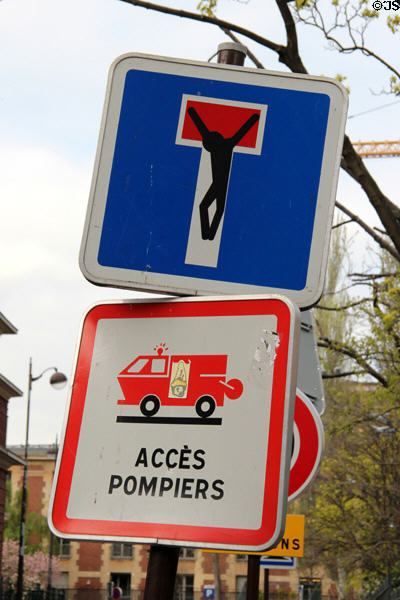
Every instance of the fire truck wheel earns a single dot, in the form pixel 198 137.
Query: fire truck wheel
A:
pixel 205 406
pixel 150 405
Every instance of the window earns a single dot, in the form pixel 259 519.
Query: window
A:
pixel 310 588
pixel 138 365
pixel 122 580
pixel 121 550
pixel 148 365
pixel 241 587
pixel 65 548
pixel 159 366
pixel 187 553
pixel 61 581
pixel 61 548
pixel 184 587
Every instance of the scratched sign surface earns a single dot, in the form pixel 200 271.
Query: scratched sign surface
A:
pixel 213 179
pixel 189 432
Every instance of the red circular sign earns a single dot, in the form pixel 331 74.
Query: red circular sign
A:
pixel 308 444
pixel 116 593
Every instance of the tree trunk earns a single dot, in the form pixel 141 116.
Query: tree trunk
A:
pixel 341 582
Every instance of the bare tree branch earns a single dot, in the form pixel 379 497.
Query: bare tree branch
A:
pixel 289 54
pixel 342 223
pixel 346 351
pixel 387 211
pixel 339 374
pixel 351 18
pixel 345 307
pixel 355 25
pixel 382 243
pixel 366 52
pixel 380 231
pixel 205 19
pixel 339 291
pixel 372 275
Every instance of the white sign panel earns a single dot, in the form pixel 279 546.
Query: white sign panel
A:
pixel 177 432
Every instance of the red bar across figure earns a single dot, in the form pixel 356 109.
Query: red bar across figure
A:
pixel 220 128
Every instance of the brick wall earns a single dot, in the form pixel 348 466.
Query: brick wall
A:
pixel 207 562
pixel 3 431
pixel 208 568
pixel 88 582
pixel 35 484
pixel 2 510
pixel 3 421
pixel 89 588
pixel 144 559
pixel 89 556
pixel 274 586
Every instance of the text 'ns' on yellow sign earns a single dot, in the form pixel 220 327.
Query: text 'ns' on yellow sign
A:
pixel 291 544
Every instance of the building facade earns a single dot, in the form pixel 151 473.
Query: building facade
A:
pixel 89 569
pixel 7 390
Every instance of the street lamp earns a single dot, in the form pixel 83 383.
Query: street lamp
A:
pixel 58 381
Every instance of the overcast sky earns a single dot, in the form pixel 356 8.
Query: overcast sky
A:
pixel 54 61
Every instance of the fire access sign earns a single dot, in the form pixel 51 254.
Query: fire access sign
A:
pixel 175 433
pixel 214 179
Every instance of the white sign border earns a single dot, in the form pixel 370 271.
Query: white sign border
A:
pixel 183 285
pixel 291 377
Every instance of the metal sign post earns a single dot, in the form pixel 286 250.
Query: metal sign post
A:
pixel 253 576
pixel 163 560
pixel 161 572
pixel 310 377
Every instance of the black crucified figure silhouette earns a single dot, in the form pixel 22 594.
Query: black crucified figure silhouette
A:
pixel 221 150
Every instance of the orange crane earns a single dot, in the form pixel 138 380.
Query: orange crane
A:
pixel 377 149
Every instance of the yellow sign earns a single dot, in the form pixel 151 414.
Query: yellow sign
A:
pixel 291 544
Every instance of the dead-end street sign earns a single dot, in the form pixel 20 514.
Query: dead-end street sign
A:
pixel 214 179
pixel 179 425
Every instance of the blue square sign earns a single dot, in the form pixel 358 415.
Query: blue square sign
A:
pixel 214 179
pixel 278 562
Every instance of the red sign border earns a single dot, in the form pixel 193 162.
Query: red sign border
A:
pixel 274 507
pixel 312 440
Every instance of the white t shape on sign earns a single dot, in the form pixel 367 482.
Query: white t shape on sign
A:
pixel 220 128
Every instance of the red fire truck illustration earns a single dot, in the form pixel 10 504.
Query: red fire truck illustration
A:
pixel 160 379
